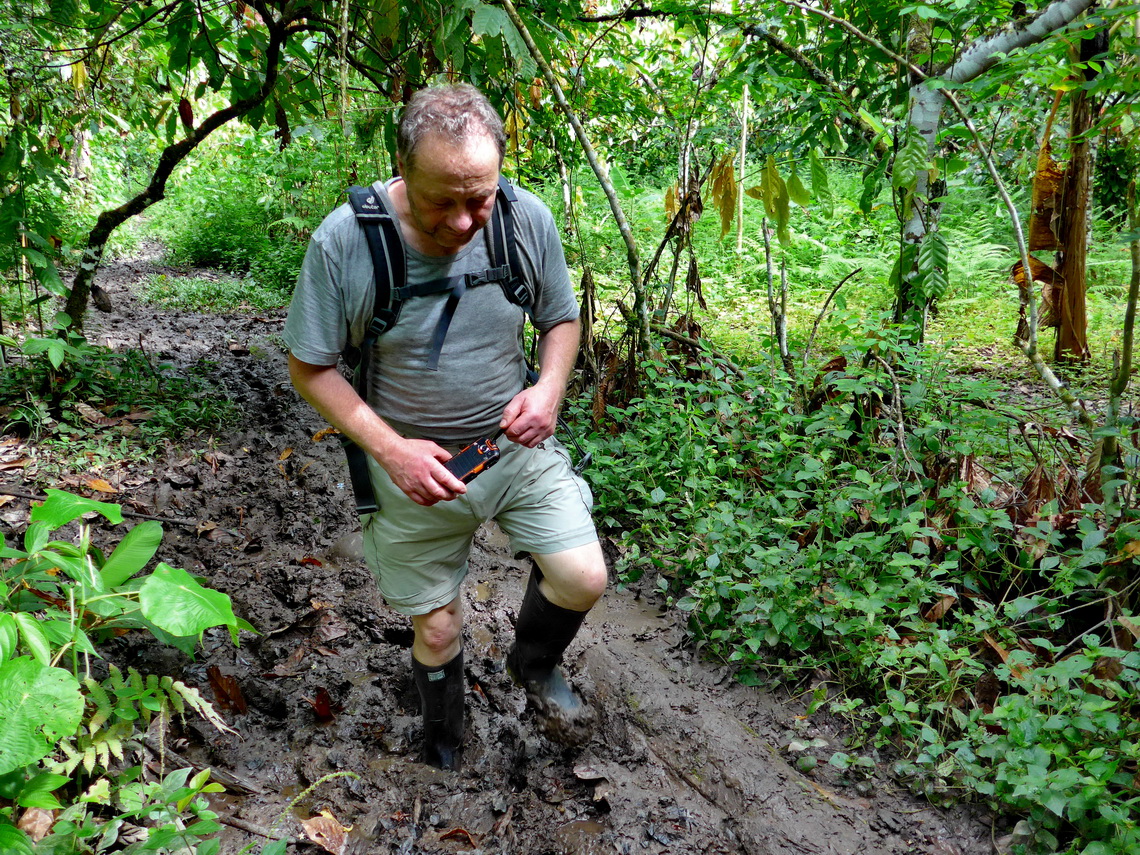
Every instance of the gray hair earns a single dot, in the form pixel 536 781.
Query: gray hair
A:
pixel 457 111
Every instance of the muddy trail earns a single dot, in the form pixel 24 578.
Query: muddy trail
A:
pixel 685 759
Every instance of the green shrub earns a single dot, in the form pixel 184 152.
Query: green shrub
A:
pixel 858 528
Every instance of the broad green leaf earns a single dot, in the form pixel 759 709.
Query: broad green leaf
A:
pixel 933 265
pixel 820 185
pixel 15 842
pixel 49 278
pixel 34 638
pixel 38 707
pixel 132 554
pixel 174 601
pixel 63 11
pixel 796 190
pixel 38 791
pixel 872 184
pixel 277 847
pixel 9 636
pixel 13 152
pixel 385 19
pixel 489 20
pixel 61 508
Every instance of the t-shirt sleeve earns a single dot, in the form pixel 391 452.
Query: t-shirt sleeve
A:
pixel 554 298
pixel 315 330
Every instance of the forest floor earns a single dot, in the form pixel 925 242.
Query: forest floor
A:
pixel 685 758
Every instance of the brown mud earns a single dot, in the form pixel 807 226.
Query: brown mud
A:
pixel 685 759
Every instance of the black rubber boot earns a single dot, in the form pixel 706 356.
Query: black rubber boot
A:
pixel 441 698
pixel 542 632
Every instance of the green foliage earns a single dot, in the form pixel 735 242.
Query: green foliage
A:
pixel 212 293
pixel 60 599
pixel 827 537
pixel 90 402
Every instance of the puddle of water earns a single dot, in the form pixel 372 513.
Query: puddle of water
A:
pixel 582 837
pixel 359 678
pixel 482 635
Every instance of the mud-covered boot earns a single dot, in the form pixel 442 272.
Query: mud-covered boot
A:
pixel 441 698
pixel 542 633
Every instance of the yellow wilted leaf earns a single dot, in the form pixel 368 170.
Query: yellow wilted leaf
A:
pixel 99 485
pixel 285 454
pixel 78 75
pixel 722 191
pixel 671 202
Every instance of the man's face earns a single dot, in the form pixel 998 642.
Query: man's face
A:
pixel 451 190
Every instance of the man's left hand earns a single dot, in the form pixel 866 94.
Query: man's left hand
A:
pixel 531 415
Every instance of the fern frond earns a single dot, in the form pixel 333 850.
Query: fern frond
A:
pixel 201 706
pixel 103 708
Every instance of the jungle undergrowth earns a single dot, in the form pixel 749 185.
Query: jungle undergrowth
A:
pixel 896 526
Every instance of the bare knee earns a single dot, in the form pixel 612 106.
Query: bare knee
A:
pixel 574 579
pixel 438 634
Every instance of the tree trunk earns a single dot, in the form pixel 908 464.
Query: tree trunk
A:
pixel 926 107
pixel 1071 342
pixel 155 191
pixel 640 304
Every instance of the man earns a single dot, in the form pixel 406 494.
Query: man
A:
pixel 426 400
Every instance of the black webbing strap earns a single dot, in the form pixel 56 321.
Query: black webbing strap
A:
pixel 386 247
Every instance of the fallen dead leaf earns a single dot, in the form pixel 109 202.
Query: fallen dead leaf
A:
pixel 327 832
pixel 20 463
pixel 1014 669
pixel 938 610
pixel 36 823
pixel 1131 626
pixel 284 455
pixel 325 433
pixel 93 416
pixel 460 833
pixel 227 692
pixel 99 485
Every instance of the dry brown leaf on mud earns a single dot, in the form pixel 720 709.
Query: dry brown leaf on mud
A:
pixel 93 416
pixel 99 485
pixel 36 823
pixel 323 706
pixel 284 455
pixel 292 665
pixel 327 832
pixel 460 834
pixel 325 433
pixel 19 463
pixel 6 499
pixel 1014 669
pixel 330 627
pixel 938 610
pixel 227 692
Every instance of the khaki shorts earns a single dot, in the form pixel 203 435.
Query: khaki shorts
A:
pixel 419 555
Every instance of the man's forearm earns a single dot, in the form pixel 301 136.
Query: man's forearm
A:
pixel 557 352
pixel 336 400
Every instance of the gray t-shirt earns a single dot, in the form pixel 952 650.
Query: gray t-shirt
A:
pixel 481 366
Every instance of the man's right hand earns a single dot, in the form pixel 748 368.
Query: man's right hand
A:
pixel 416 467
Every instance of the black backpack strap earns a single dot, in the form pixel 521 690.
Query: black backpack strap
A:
pixel 390 273
pixel 504 248
pixel 389 263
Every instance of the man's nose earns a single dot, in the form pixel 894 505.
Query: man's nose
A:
pixel 460 221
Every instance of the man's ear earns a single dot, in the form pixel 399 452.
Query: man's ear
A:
pixel 400 170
